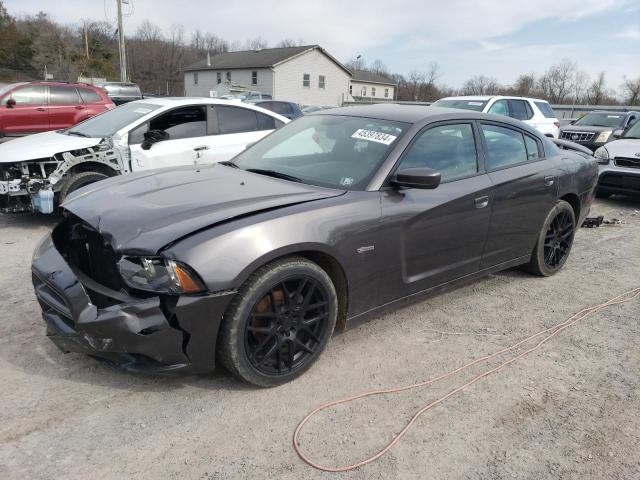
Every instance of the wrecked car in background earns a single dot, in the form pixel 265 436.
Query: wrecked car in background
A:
pixel 39 172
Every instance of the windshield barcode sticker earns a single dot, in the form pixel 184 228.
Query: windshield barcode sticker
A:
pixel 477 104
pixel 142 110
pixel 373 136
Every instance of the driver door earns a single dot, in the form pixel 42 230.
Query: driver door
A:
pixel 187 131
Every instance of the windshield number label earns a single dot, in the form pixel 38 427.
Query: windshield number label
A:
pixel 374 136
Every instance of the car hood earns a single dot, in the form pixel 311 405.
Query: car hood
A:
pixel 141 213
pixel 585 128
pixel 42 145
pixel 625 147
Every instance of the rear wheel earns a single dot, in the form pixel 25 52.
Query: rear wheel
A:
pixel 79 180
pixel 554 241
pixel 279 322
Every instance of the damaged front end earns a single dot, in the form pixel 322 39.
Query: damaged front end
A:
pixel 33 185
pixel 88 307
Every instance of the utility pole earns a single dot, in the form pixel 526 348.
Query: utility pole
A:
pixel 86 41
pixel 123 54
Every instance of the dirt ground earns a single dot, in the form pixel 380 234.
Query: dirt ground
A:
pixel 570 410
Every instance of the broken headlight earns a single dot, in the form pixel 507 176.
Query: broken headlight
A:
pixel 159 275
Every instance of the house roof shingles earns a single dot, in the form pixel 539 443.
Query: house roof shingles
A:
pixel 262 58
pixel 372 77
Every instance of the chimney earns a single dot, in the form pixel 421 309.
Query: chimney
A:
pixel 208 59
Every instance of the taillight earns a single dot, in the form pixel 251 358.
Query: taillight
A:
pixel 557 124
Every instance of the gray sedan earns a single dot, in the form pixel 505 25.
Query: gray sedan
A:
pixel 329 219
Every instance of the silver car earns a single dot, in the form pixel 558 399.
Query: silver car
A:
pixel 620 164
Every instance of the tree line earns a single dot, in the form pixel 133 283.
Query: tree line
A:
pixel 155 60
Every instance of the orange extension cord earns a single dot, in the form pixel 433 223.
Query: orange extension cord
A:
pixel 550 333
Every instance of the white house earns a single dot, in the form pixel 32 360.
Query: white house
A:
pixel 370 86
pixel 307 75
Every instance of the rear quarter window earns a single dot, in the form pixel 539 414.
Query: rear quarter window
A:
pixel 89 96
pixel 546 109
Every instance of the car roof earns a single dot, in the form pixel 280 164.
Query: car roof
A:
pixel 489 97
pixel 412 113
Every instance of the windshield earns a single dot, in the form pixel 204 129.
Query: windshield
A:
pixel 326 150
pixel 476 105
pixel 633 132
pixel 601 120
pixel 108 123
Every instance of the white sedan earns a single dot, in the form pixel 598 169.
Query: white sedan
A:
pixel 40 170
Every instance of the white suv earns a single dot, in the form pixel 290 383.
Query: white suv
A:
pixel 532 111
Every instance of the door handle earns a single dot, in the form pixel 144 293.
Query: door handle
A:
pixel 80 107
pixel 482 202
pixel 41 109
pixel 203 147
pixel 549 180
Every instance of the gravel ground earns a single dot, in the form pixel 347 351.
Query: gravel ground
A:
pixel 570 410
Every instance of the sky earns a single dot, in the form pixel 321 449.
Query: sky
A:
pixel 496 38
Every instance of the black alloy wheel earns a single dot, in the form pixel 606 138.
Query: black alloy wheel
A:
pixel 558 240
pixel 286 326
pixel 555 240
pixel 278 323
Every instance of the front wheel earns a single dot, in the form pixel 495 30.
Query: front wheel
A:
pixel 554 241
pixel 279 322
pixel 79 180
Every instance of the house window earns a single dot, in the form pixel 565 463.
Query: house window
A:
pixel 364 91
pixel 306 80
pixel 321 81
pixel 350 89
pixel 254 78
pixel 386 93
pixel 219 77
pixel 373 91
pixel 228 76
pixel 195 78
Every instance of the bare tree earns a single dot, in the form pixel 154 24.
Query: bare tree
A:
pixel 288 42
pixel 524 85
pixel 356 63
pixel 631 91
pixel 597 91
pixel 481 85
pixel 559 81
pixel 379 67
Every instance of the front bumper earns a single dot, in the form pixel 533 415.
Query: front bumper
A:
pixel 159 334
pixel 616 179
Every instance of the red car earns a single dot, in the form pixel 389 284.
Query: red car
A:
pixel 32 107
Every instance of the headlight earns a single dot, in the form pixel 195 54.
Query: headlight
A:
pixel 159 275
pixel 603 137
pixel 602 155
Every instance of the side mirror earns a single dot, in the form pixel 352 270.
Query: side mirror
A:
pixel 424 178
pixel 153 136
pixel 617 133
pixel 11 103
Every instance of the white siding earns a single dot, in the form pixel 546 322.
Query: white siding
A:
pixel 288 80
pixel 357 87
pixel 207 81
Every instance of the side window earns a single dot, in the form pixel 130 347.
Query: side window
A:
pixel 27 96
pixel 533 150
pixel 499 108
pixel 136 136
pixel 186 122
pixel 89 96
pixel 505 146
pixel 448 149
pixel 282 108
pixel 265 122
pixel 63 96
pixel 236 120
pixel 518 109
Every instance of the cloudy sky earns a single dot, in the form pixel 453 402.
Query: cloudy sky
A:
pixel 498 38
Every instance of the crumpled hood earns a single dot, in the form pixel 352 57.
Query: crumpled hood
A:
pixel 143 212
pixel 42 145
pixel 625 147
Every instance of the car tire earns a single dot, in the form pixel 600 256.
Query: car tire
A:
pixel 79 180
pixel 554 241
pixel 260 319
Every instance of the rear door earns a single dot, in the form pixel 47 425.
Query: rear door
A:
pixel 439 234
pixel 232 129
pixel 525 186
pixel 187 130
pixel 30 113
pixel 65 107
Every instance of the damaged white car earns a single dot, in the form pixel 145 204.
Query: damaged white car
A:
pixel 37 172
